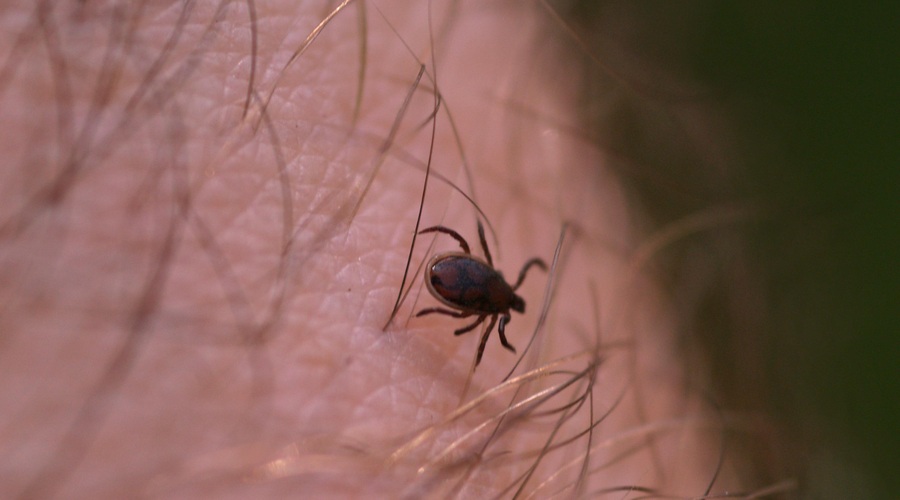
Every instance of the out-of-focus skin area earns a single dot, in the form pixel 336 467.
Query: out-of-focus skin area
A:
pixel 811 94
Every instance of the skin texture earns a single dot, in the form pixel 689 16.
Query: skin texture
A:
pixel 194 287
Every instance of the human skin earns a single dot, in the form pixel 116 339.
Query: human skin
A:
pixel 197 287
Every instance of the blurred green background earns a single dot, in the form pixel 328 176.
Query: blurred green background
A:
pixel 812 92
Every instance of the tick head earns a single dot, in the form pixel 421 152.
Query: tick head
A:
pixel 517 304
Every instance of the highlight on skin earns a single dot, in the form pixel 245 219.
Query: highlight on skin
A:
pixel 210 264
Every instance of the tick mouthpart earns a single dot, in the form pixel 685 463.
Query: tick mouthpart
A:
pixel 517 304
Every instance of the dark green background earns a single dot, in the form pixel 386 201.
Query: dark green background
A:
pixel 813 90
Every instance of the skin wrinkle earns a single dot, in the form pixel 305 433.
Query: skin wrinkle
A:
pixel 264 356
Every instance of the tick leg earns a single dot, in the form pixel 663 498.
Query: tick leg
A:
pixel 439 310
pixel 469 328
pixel 487 253
pixel 448 231
pixel 501 329
pixel 533 262
pixel 484 338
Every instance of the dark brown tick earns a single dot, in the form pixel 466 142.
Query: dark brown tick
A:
pixel 472 287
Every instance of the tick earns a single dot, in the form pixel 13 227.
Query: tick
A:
pixel 471 286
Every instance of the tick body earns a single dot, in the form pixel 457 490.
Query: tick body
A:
pixel 471 286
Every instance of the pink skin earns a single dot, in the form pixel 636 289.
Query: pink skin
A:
pixel 185 315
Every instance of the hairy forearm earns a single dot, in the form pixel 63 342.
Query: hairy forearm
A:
pixel 206 215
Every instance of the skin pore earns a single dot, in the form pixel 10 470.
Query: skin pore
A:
pixel 196 278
